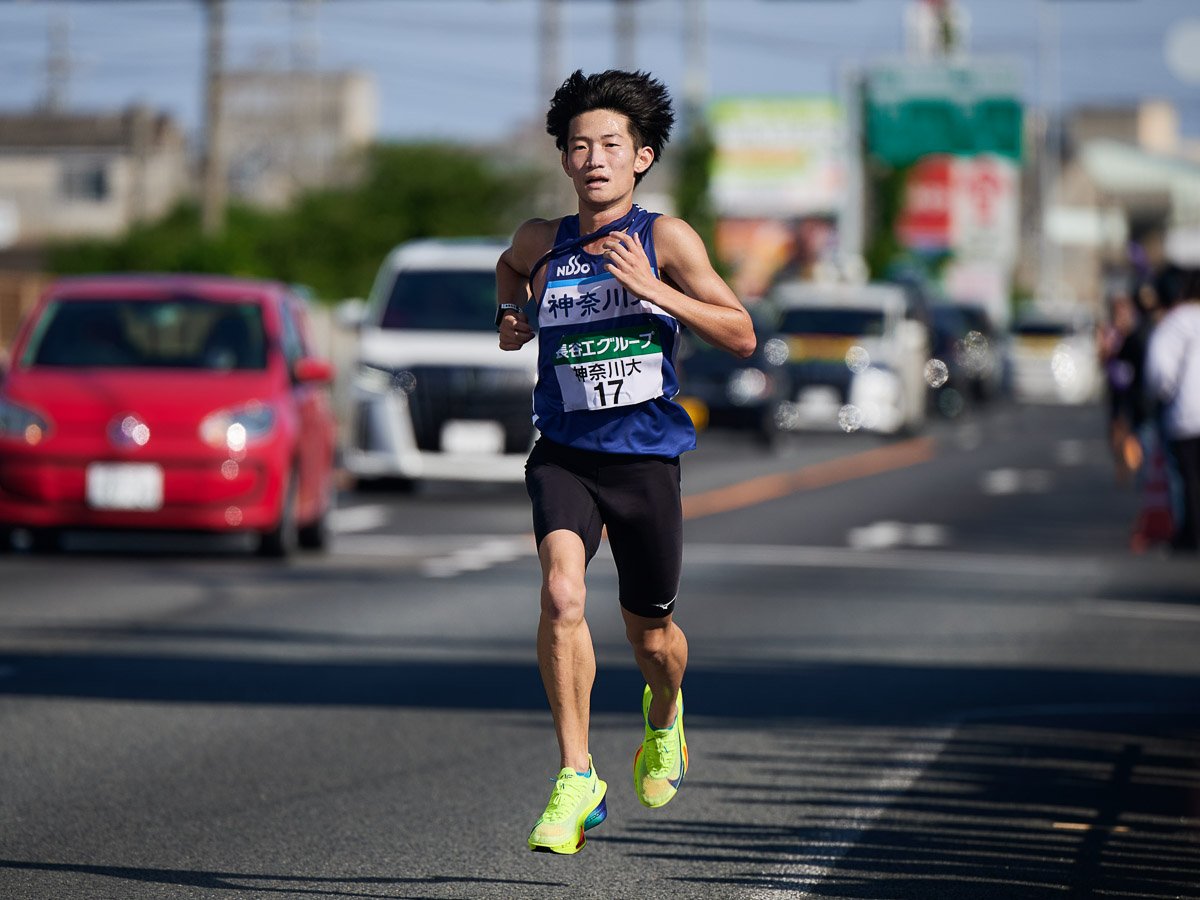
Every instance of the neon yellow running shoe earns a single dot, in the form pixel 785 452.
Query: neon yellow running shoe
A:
pixel 661 762
pixel 576 804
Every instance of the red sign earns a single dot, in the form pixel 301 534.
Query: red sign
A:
pixel 926 220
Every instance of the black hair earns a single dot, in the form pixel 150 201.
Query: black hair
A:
pixel 1171 285
pixel 638 96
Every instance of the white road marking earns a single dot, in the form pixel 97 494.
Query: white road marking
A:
pixel 358 518
pixel 911 560
pixel 399 545
pixel 445 555
pixel 1072 452
pixel 1136 609
pixel 441 555
pixel 879 535
pixel 898 770
pixel 477 558
pixel 1001 482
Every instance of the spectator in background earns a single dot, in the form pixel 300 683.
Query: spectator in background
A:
pixel 1122 345
pixel 1173 378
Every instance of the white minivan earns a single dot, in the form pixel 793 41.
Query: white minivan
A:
pixel 855 355
pixel 434 397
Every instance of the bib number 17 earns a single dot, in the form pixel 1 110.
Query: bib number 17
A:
pixel 606 398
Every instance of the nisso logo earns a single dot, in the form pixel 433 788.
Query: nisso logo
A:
pixel 574 267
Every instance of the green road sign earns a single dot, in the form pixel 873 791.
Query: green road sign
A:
pixel 914 109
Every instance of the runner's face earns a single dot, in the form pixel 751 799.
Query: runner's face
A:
pixel 601 157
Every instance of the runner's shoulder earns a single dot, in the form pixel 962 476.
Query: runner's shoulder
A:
pixel 673 228
pixel 532 239
pixel 675 240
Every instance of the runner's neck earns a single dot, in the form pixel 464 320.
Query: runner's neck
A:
pixel 594 220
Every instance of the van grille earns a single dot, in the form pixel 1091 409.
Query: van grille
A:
pixel 445 393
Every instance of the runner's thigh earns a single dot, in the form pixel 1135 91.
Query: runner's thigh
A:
pixel 640 504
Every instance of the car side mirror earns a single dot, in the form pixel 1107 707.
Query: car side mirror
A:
pixel 313 370
pixel 351 314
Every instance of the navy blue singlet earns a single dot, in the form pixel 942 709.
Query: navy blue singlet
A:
pixel 606 359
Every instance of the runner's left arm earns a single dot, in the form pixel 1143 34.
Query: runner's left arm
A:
pixel 703 301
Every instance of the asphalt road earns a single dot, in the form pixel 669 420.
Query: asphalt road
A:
pixel 920 668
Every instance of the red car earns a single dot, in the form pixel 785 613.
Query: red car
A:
pixel 167 402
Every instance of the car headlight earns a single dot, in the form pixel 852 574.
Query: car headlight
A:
pixel 19 423
pixel 382 380
pixel 746 386
pixel 236 428
pixel 776 352
pixel 1063 365
pixel 372 378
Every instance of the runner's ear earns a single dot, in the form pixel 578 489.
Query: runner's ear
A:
pixel 643 160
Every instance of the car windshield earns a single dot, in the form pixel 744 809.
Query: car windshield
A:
pixel 176 333
pixel 449 300
pixel 976 318
pixel 948 318
pixel 847 322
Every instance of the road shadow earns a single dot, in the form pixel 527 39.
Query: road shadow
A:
pixel 289 885
pixel 870 781
pixel 867 693
pixel 1070 807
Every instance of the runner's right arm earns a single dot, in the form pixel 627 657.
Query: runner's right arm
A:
pixel 531 240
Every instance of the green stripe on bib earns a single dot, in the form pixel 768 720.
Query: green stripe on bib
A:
pixel 638 340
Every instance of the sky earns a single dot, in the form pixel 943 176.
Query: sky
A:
pixel 468 70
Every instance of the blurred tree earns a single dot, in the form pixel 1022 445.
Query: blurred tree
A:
pixel 331 240
pixel 887 195
pixel 692 180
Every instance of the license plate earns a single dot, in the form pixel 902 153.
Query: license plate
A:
pixel 136 486
pixel 465 436
pixel 819 398
pixel 820 348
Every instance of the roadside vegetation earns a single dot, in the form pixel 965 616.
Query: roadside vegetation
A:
pixel 330 240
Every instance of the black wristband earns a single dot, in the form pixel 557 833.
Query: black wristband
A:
pixel 503 309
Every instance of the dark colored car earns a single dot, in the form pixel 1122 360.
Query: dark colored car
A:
pixel 967 345
pixel 723 391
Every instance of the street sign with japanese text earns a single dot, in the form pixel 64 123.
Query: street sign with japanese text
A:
pixel 914 109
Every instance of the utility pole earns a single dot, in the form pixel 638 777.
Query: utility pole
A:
pixel 695 73
pixel 625 34
pixel 549 49
pixel 213 186
pixel 58 62
pixel 1050 275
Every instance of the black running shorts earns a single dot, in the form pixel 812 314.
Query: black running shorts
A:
pixel 635 497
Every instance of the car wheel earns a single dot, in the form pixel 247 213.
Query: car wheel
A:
pixel 316 535
pixel 45 540
pixel 280 542
pixel 767 434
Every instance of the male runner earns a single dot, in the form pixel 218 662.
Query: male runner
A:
pixel 611 287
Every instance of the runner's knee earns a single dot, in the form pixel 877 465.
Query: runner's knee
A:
pixel 563 597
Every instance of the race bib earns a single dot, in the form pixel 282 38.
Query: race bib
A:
pixel 619 367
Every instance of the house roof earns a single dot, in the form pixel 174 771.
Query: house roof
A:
pixel 43 130
pixel 1123 168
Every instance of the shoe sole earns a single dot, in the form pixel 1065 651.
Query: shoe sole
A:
pixel 597 815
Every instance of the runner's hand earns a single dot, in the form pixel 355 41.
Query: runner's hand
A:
pixel 515 332
pixel 626 259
